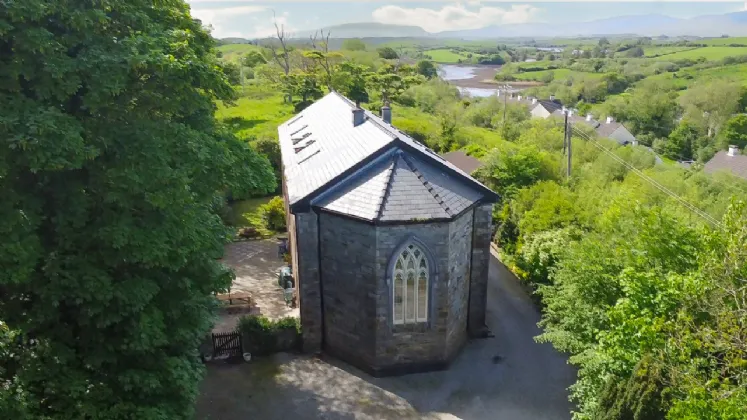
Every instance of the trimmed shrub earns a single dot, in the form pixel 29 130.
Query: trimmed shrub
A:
pixel 261 336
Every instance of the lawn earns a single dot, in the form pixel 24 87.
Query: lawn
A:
pixel 560 74
pixel 256 114
pixel 232 51
pixel 710 53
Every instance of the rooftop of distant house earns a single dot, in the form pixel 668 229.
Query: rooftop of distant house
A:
pixel 463 161
pixel 728 160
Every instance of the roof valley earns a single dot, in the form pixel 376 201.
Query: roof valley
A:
pixel 387 188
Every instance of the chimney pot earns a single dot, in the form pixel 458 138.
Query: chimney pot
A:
pixel 733 150
pixel 609 120
pixel 386 113
pixel 588 117
pixel 358 115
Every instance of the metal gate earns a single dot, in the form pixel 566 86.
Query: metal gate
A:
pixel 227 344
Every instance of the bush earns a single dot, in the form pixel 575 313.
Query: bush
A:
pixel 273 214
pixel 261 336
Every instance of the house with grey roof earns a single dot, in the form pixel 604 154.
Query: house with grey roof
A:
pixel 728 161
pixel 463 161
pixel 609 129
pixel 390 243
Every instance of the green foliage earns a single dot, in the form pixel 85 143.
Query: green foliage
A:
pixel 640 397
pixel 270 216
pixel 353 44
pixel 427 69
pixel 232 72
pixel 253 58
pixel 509 168
pixel 734 132
pixel 111 169
pixel 262 336
pixel 388 53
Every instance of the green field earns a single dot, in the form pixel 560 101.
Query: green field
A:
pixel 690 76
pixel 256 115
pixel 446 56
pixel 724 41
pixel 231 51
pixel 655 51
pixel 560 74
pixel 710 53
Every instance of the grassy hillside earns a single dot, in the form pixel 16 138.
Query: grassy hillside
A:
pixel 231 51
pixel 710 53
pixel 256 114
pixel 725 41
pixel 557 73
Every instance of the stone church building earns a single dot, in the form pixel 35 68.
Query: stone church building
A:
pixel 390 243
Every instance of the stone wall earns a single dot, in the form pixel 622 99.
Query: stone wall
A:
pixel 460 252
pixel 412 344
pixel 307 276
pixel 480 264
pixel 349 288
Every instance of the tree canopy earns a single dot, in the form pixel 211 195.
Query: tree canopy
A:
pixel 111 172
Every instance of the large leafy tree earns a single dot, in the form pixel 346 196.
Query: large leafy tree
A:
pixel 111 167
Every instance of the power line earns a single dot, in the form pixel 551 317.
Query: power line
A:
pixel 650 180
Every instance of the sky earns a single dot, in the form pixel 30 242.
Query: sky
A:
pixel 254 18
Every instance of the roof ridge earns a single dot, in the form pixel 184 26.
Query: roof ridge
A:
pixel 387 187
pixel 427 185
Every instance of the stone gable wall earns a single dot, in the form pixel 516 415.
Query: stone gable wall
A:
pixel 349 288
pixel 478 297
pixel 460 252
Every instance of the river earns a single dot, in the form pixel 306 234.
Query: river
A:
pixel 476 81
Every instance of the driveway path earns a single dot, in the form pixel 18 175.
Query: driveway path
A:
pixel 256 265
pixel 507 377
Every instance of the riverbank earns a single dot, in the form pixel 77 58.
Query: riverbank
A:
pixel 478 80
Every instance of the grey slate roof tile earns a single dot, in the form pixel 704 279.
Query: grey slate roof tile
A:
pixel 399 185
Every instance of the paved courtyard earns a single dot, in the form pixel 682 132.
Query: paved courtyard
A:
pixel 256 265
pixel 507 377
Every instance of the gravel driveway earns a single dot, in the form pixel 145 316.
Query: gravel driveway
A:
pixel 507 377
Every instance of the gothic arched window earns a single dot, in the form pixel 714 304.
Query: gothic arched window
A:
pixel 410 286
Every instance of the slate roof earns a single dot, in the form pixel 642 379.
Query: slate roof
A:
pixel 463 161
pixel 737 164
pixel 370 171
pixel 550 106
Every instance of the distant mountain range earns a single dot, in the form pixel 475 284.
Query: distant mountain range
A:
pixel 369 30
pixel 732 24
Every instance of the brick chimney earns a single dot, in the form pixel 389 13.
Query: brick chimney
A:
pixel 359 116
pixel 733 150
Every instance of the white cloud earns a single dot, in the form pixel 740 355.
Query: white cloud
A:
pixel 218 18
pixel 454 17
pixel 242 21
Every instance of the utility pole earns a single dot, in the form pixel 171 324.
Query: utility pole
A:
pixel 569 130
pixel 505 89
pixel 565 132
